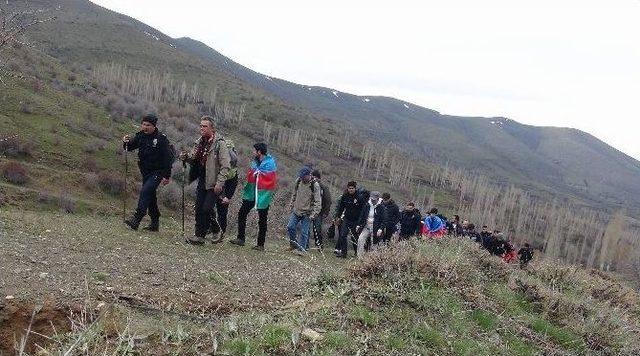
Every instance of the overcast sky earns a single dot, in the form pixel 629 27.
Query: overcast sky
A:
pixel 553 63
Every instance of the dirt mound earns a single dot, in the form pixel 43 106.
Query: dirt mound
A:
pixel 43 321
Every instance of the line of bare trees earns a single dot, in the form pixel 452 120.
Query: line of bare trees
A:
pixel 564 230
pixel 159 87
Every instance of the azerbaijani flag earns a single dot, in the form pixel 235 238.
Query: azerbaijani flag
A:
pixel 261 182
pixel 433 227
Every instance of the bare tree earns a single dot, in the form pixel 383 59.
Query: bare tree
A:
pixel 14 24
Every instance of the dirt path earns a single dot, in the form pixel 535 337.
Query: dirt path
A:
pixel 49 256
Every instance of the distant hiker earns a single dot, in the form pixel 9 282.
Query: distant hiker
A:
pixel 210 162
pixel 486 237
pixel 325 209
pixel 433 225
pixel 372 223
pixel 392 219
pixel 498 246
pixel 305 206
pixel 456 227
pixel 510 254
pixel 526 255
pixel 258 193
pixel 472 234
pixel 346 217
pixel 409 221
pixel 155 157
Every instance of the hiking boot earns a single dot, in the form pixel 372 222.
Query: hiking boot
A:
pixel 217 238
pixel 292 247
pixel 154 226
pixel 300 252
pixel 341 255
pixel 237 242
pixel 195 240
pixel 258 248
pixel 133 222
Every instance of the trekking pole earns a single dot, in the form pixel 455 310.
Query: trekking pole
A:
pixel 126 172
pixel 184 177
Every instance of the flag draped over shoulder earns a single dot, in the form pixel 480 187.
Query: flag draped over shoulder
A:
pixel 433 227
pixel 261 182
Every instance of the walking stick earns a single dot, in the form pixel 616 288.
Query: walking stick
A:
pixel 126 171
pixel 184 177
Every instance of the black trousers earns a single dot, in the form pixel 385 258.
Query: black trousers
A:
pixel 205 214
pixel 245 208
pixel 347 227
pixel 388 233
pixel 221 208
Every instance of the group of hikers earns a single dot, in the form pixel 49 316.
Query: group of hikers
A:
pixel 369 218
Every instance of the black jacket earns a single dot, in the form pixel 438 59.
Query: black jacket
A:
pixel 410 222
pixel 379 217
pixel 154 153
pixel 351 206
pixel 526 254
pixel 393 214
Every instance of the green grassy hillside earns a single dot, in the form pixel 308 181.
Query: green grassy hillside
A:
pixel 134 293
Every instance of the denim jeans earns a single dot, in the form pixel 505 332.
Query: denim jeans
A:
pixel 305 225
pixel 148 200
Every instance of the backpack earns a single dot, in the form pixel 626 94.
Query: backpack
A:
pixel 233 154
pixel 312 186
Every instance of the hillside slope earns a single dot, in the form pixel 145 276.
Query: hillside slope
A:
pixel 558 159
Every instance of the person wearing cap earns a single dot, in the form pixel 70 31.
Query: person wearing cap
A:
pixel 372 223
pixel 210 162
pixel 258 193
pixel 305 206
pixel 154 161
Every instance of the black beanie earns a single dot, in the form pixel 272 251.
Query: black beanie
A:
pixel 261 147
pixel 150 118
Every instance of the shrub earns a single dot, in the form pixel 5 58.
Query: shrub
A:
pixel 14 147
pixel 67 204
pixel 111 183
pixel 93 146
pixel 15 173
pixel 90 180
pixel 26 108
pixel 45 198
pixel 37 86
pixel 170 195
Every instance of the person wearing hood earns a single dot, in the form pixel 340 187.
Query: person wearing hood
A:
pixel 155 158
pixel 434 226
pixel 372 223
pixel 409 221
pixel 393 217
pixel 305 206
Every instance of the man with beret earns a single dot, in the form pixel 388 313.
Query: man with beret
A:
pixel 305 205
pixel 154 160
